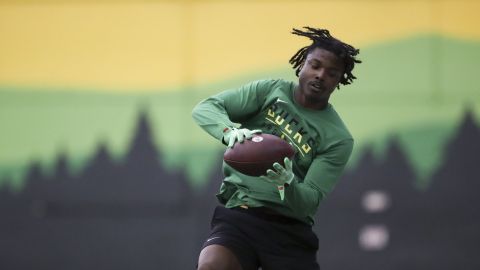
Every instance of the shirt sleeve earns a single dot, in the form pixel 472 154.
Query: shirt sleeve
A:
pixel 320 179
pixel 229 108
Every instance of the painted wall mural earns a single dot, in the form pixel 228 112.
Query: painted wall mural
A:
pixel 102 167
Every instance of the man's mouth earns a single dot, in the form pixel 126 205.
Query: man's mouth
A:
pixel 316 86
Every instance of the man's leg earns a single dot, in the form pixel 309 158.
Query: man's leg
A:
pixel 217 257
pixel 228 247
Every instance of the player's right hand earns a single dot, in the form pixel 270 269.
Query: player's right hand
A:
pixel 281 175
pixel 233 135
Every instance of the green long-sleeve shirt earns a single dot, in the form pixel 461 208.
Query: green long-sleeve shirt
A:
pixel 322 141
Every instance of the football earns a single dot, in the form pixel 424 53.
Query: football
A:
pixel 256 155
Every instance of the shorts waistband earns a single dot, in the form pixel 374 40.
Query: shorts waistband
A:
pixel 268 215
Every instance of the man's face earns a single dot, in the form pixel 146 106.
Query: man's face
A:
pixel 320 75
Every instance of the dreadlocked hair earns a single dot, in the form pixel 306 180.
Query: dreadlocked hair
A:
pixel 321 38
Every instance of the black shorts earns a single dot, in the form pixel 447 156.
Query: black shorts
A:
pixel 260 239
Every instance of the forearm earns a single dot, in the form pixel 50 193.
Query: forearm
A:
pixel 320 179
pixel 303 196
pixel 211 116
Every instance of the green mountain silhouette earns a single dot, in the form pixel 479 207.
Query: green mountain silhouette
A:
pixel 416 89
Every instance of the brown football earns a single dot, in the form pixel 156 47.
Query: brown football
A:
pixel 256 155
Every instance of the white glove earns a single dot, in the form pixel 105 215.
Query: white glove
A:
pixel 281 177
pixel 233 135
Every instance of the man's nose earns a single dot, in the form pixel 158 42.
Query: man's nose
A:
pixel 320 74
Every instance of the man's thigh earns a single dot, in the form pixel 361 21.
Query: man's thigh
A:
pixel 218 257
pixel 230 242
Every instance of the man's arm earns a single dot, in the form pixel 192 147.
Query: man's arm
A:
pixel 320 179
pixel 226 109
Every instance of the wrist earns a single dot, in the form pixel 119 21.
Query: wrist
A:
pixel 289 181
pixel 225 133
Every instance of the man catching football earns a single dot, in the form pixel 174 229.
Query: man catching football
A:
pixel 255 227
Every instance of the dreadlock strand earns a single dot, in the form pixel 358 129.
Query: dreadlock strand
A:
pixel 298 59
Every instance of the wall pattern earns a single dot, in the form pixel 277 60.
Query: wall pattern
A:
pixel 95 102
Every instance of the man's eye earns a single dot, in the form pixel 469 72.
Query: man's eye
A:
pixel 333 74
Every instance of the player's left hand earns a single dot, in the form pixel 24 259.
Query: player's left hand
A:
pixel 281 176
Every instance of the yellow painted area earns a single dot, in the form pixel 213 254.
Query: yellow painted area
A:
pixel 109 46
pixel 155 45
pixel 458 18
pixel 233 38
